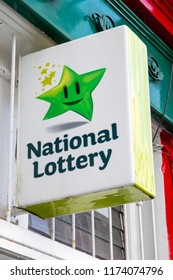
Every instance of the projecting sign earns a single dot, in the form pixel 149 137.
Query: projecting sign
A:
pixel 84 138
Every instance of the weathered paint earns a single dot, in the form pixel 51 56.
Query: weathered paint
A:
pixel 167 169
pixel 143 155
pixel 87 202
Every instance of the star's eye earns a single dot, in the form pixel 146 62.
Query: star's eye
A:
pixel 77 87
pixel 65 91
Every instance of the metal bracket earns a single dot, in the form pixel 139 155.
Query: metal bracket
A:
pixel 154 70
pixel 103 22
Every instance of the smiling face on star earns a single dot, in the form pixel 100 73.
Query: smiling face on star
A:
pixel 72 93
pixel 71 87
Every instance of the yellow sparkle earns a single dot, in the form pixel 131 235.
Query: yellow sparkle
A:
pixel 47 64
pixel 44 71
pixel 39 67
pixel 52 74
pixel 47 81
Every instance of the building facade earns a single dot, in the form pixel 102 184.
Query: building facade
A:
pixel 141 230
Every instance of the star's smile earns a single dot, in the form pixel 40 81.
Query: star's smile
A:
pixel 73 102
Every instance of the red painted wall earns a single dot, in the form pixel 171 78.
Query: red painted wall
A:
pixel 167 169
pixel 157 15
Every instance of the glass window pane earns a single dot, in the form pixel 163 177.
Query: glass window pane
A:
pixel 118 232
pixel 83 232
pixel 83 241
pixel 116 216
pixel 102 233
pixel 102 223
pixel 39 225
pixel 63 229
pixel 102 249
pixel 83 221
pixel 118 253
pixel 117 236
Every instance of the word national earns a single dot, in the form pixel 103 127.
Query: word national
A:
pixel 70 162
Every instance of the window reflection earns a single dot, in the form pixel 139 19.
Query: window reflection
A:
pixel 83 231
pixel 39 225
pixel 63 229
pixel 102 239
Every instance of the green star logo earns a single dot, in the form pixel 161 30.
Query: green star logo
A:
pixel 72 93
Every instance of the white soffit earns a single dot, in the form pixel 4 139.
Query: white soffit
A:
pixel 29 38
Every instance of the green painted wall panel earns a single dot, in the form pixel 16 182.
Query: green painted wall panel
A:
pixel 72 19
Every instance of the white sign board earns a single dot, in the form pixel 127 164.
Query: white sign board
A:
pixel 84 138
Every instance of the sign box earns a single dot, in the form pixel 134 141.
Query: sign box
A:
pixel 84 138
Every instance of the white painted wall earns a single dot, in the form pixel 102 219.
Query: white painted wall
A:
pixel 4 142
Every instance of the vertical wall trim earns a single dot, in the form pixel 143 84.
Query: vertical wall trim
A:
pixel 11 136
pixel 126 232
pixel 110 233
pixel 93 234
pixel 52 231
pixel 73 231
pixel 154 230
pixel 139 204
